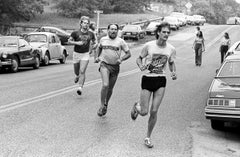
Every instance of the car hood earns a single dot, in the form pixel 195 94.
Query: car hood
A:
pixel 37 44
pixel 225 87
pixel 8 49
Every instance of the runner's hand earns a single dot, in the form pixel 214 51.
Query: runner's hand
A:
pixel 96 60
pixel 119 61
pixel 142 68
pixel 174 75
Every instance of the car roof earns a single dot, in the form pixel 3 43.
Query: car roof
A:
pixel 42 33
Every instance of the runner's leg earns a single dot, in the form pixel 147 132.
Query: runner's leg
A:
pixel 157 99
pixel 143 107
pixel 82 76
pixel 112 81
pixel 105 84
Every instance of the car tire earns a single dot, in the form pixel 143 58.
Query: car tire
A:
pixel 217 124
pixel 63 59
pixel 46 59
pixel 15 65
pixel 37 63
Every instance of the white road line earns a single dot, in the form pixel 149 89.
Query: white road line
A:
pixel 52 94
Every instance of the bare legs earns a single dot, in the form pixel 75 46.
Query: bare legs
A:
pixel 80 70
pixel 108 83
pixel 143 107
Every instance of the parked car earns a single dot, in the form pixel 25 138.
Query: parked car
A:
pixel 233 21
pixel 173 21
pixel 223 103
pixel 133 32
pixel 151 27
pixel 181 18
pixel 234 49
pixel 16 52
pixel 63 35
pixel 50 45
pixel 199 19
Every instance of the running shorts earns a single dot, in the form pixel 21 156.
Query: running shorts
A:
pixel 113 69
pixel 152 84
pixel 77 57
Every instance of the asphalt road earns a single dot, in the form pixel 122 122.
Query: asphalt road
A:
pixel 42 116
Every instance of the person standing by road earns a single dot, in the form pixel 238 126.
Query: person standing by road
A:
pixel 109 55
pixel 225 45
pixel 153 61
pixel 199 47
pixel 82 40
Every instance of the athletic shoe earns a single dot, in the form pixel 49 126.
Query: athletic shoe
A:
pixel 79 91
pixel 102 110
pixel 148 142
pixel 134 111
pixel 76 79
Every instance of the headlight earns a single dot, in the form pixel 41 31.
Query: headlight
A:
pixel 4 55
pixel 222 102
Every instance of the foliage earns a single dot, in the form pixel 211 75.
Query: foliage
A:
pixel 76 8
pixel 14 10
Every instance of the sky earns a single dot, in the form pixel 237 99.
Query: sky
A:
pixel 238 1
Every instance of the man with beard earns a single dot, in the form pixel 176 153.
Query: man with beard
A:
pixel 82 40
pixel 109 54
pixel 152 61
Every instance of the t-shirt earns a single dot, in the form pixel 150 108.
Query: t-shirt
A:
pixel 111 49
pixel 86 37
pixel 225 42
pixel 156 58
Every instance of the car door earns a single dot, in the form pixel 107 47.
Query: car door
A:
pixel 53 47
pixel 58 46
pixel 25 52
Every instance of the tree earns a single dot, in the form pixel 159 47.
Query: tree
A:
pixel 76 8
pixel 14 10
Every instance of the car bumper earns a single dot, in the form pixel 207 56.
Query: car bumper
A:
pixel 228 114
pixel 5 63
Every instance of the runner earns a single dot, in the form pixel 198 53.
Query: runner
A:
pixel 109 54
pixel 81 40
pixel 152 61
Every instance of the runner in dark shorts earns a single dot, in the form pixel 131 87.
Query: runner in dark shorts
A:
pixel 152 61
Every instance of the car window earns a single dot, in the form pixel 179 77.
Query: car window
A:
pixel 230 69
pixel 130 28
pixel 238 47
pixel 53 40
pixel 36 38
pixel 57 39
pixel 23 42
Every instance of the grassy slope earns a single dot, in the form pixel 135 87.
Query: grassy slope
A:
pixel 51 18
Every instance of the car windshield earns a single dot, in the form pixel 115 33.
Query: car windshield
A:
pixel 230 69
pixel 153 25
pixel 36 38
pixel 130 28
pixel 8 42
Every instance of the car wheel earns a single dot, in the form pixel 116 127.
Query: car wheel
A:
pixel 15 65
pixel 37 62
pixel 63 59
pixel 217 124
pixel 46 59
